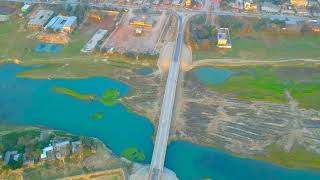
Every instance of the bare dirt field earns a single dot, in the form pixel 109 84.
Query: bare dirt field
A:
pixel 124 38
pixel 108 21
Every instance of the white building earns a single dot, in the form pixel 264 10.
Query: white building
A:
pixel 92 43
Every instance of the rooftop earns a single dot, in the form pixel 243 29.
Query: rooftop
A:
pixel 59 22
pixel 91 44
pixel 41 17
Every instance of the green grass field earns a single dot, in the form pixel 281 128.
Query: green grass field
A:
pixel 298 157
pixel 13 41
pixel 270 83
pixel 18 43
pixel 259 46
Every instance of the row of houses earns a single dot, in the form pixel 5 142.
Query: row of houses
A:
pixel 44 20
pixel 299 7
pixel 58 150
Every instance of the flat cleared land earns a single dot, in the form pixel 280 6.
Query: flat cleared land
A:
pixel 262 46
pixel 108 20
pixel 124 38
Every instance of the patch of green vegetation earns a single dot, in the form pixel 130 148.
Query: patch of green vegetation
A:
pixel 97 116
pixel 10 141
pixel 298 157
pixel 307 94
pixel 110 97
pixel 270 84
pixel 73 93
pixel 264 47
pixel 13 41
pixel 133 154
pixel 260 84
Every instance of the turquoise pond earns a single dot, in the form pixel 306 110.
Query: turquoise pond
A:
pixel 210 75
pixel 32 102
pixel 144 71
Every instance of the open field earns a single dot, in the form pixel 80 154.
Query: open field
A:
pixel 265 47
pixel 270 84
pixel 124 38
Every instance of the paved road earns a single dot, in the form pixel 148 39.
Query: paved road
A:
pixel 160 148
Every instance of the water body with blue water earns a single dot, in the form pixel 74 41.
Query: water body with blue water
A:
pixel 144 71
pixel 210 75
pixel 33 102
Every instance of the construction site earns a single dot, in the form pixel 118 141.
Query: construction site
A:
pixel 138 33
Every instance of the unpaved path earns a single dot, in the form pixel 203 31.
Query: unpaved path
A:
pixel 242 62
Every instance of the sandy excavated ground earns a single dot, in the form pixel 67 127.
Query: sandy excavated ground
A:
pixel 89 27
pixel 124 38
pixel 208 117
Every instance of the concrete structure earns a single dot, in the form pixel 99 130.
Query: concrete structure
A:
pixel 39 20
pixel 62 149
pixel 223 37
pixel 75 146
pixel 92 43
pixel 142 21
pixel 62 24
pixel 9 155
pixel 47 153
pixel 270 8
pixel 160 147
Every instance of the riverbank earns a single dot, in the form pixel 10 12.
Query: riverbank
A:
pixel 92 156
pixel 118 128
pixel 143 98
pixel 251 114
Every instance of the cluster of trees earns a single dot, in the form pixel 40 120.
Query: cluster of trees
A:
pixel 142 55
pixel 231 23
pixel 264 24
pixel 200 32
